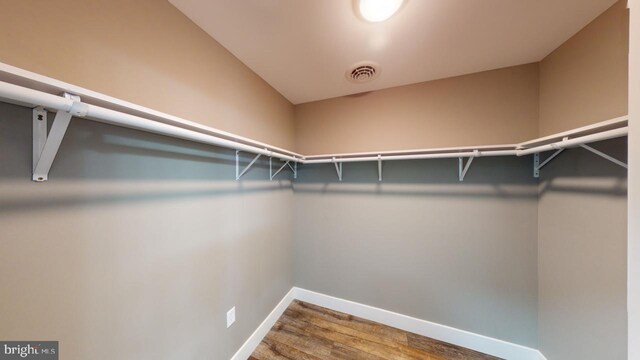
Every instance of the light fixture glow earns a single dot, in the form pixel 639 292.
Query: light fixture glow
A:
pixel 378 10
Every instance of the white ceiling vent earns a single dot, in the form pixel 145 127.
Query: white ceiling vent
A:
pixel 363 72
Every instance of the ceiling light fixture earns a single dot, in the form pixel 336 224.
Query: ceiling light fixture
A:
pixel 378 10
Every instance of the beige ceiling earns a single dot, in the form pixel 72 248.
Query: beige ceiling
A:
pixel 303 47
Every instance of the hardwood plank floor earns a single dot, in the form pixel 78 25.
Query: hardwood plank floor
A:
pixel 310 332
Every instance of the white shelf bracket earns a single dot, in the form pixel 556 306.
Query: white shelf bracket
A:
pixel 536 159
pixel 238 172
pixel 462 168
pixel 273 175
pixel 338 168
pixel 39 121
pixel 45 146
pixel 294 168
pixel 537 165
pixel 379 167
pixel 608 157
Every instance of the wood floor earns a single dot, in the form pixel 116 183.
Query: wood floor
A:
pixel 310 332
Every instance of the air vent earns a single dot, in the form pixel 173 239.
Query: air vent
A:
pixel 363 72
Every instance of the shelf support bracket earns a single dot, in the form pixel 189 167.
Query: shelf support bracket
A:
pixel 271 173
pixel 45 146
pixel 379 167
pixel 536 160
pixel 608 157
pixel 294 168
pixel 463 168
pixel 537 165
pixel 238 172
pixel 338 168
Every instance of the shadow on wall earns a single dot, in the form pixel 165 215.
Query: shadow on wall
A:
pixel 116 161
pixel 94 151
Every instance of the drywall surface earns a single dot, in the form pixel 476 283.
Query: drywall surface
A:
pixel 633 279
pixel 583 207
pixel 146 52
pixel 138 244
pixel 423 244
pixel 487 108
pixel 585 80
pixel 582 255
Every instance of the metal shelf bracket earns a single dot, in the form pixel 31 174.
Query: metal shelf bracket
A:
pixel 240 173
pixel 462 168
pixel 379 167
pixel 273 175
pixel 537 165
pixel 46 145
pixel 338 168
pixel 601 154
pixel 294 168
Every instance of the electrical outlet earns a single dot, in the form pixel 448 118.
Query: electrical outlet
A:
pixel 231 316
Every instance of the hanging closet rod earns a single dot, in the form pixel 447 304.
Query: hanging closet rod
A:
pixel 601 126
pixel 108 116
pixel 575 142
pixel 415 151
pixel 34 81
pixel 96 113
pixel 429 154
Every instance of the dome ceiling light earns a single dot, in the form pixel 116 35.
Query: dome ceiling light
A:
pixel 378 10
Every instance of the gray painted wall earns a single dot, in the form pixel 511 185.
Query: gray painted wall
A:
pixel 137 245
pixel 422 244
pixel 582 256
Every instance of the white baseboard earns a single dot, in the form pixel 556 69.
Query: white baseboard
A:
pixel 484 344
pixel 252 342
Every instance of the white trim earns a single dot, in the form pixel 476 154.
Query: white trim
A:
pixel 469 340
pixel 633 203
pixel 484 344
pixel 252 342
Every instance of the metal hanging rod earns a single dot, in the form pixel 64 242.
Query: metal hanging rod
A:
pixel 575 142
pixel 447 155
pixel 28 79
